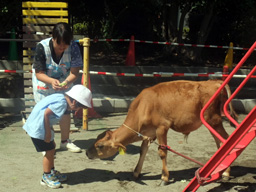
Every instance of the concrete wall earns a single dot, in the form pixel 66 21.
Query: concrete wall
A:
pixel 11 65
pixel 114 94
pixel 132 86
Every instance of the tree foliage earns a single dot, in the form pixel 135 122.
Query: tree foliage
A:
pixel 217 22
pixel 10 12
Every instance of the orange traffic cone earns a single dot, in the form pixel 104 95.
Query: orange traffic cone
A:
pixel 225 72
pixel 130 58
pixel 91 112
pixel 228 61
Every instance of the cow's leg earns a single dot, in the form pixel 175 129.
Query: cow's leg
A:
pixel 143 152
pixel 220 129
pixel 161 134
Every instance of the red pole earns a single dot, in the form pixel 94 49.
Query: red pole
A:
pixel 225 72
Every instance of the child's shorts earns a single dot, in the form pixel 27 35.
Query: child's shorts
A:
pixel 41 145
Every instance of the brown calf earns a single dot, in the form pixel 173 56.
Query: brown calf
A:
pixel 170 105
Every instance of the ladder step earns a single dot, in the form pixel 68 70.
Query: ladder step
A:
pixel 238 148
pixel 247 138
pixel 227 153
pixel 227 162
pixel 236 142
pixel 222 167
pixel 235 152
pixel 253 128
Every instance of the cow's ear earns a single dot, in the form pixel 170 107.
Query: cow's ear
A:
pixel 109 134
pixel 120 145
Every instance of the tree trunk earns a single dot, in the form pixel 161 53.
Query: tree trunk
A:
pixel 165 23
pixel 205 28
pixel 181 23
pixel 112 19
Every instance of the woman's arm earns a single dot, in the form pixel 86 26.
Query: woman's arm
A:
pixel 40 68
pixel 74 73
pixel 41 76
pixel 76 64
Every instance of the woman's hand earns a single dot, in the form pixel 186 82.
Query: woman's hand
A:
pixel 64 85
pixel 56 85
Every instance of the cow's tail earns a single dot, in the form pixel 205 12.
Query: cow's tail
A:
pixel 232 112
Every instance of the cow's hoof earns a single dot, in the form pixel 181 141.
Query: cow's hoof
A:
pixel 136 176
pixel 164 183
pixel 226 178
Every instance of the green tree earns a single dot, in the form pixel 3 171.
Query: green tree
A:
pixel 195 21
pixel 10 12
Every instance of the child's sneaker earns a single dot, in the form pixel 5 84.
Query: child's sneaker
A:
pixel 59 176
pixel 50 180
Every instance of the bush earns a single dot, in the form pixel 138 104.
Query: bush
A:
pixel 80 29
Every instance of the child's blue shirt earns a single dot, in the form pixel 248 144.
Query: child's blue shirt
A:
pixel 34 125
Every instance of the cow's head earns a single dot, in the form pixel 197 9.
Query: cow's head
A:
pixel 104 146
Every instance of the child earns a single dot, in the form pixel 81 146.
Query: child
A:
pixel 38 126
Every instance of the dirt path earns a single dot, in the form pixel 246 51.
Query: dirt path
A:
pixel 21 165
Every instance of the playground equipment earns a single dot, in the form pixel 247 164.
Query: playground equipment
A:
pixel 86 82
pixel 244 133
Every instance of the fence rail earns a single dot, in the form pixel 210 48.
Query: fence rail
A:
pixel 143 41
pixel 154 74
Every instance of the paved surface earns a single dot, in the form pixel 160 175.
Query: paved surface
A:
pixel 21 165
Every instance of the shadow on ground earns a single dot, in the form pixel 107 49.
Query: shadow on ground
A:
pixel 8 119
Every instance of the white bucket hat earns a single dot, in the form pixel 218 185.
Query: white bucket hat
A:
pixel 81 94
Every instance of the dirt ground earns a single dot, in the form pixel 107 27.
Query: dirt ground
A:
pixel 21 165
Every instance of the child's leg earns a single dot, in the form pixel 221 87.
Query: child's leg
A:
pixel 48 161
pixel 48 177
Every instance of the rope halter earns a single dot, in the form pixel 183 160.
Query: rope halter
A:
pixel 139 134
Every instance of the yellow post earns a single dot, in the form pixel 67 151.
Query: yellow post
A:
pixel 86 44
pixel 229 57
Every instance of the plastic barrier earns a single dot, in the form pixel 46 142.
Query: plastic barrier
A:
pixel 155 74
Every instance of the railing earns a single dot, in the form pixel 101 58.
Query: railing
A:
pixel 246 56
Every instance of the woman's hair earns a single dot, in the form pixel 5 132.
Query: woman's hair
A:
pixel 62 32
